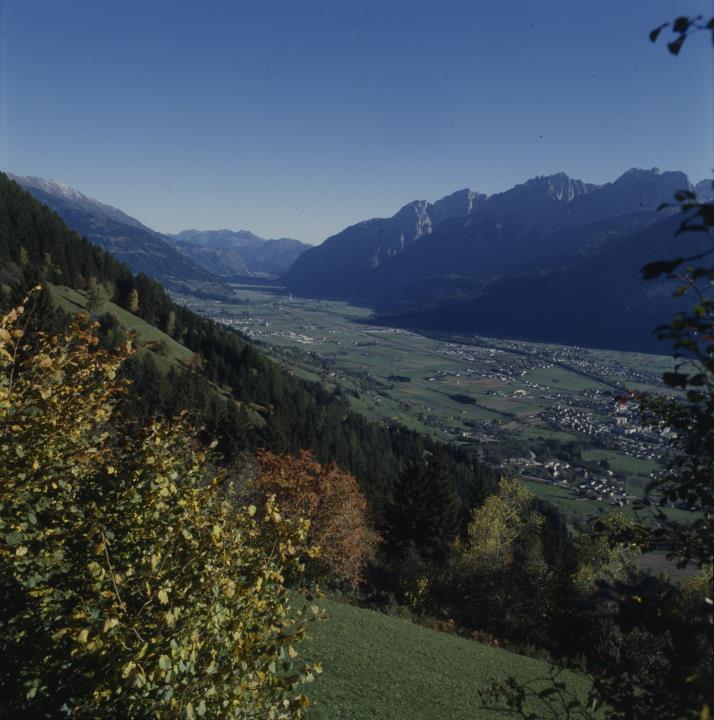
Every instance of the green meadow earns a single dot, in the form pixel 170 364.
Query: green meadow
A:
pixel 147 336
pixel 377 667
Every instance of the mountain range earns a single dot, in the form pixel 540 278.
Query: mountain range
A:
pixel 239 252
pixel 552 259
pixel 192 260
pixel 509 263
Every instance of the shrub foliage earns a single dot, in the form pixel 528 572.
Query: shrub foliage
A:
pixel 131 585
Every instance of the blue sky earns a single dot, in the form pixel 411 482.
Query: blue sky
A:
pixel 298 118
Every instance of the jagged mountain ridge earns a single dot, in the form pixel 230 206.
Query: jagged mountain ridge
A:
pixel 552 259
pixel 371 243
pixel 382 260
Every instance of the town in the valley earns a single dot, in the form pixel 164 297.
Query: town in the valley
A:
pixel 473 390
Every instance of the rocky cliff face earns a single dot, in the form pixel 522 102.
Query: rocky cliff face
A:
pixel 459 204
pixel 705 190
pixel 372 243
pixel 472 233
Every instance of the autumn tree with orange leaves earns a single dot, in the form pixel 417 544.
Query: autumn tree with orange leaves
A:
pixel 331 499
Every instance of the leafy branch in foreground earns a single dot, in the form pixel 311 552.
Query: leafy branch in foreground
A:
pixel 540 699
pixel 688 416
pixel 131 583
pixel 682 27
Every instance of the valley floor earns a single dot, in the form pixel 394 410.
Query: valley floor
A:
pixel 519 403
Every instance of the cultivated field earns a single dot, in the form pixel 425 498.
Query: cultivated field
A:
pixel 515 401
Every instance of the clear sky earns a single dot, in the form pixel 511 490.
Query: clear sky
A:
pixel 299 117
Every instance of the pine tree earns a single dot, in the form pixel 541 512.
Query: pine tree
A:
pixel 425 507
pixel 443 503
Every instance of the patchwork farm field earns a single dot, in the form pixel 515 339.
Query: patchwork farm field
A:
pixel 620 461
pixel 526 401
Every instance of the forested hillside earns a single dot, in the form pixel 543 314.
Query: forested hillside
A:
pixel 35 244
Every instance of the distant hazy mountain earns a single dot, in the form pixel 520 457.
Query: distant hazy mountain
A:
pixel 705 191
pixel 141 248
pixel 239 252
pixel 470 265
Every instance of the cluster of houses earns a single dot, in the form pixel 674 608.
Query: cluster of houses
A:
pixel 601 485
pixel 596 413
pixel 612 420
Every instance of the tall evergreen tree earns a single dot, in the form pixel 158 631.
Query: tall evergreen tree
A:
pixel 406 513
pixel 443 504
pixel 425 507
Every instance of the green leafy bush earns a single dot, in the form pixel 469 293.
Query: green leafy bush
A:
pixel 131 584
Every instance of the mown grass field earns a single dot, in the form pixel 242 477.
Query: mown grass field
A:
pixel 561 379
pixel 566 500
pixel 578 508
pixel 378 667
pixel 621 462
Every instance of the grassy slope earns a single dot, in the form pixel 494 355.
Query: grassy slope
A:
pixel 574 506
pixel 147 336
pixel 380 667
pixel 73 302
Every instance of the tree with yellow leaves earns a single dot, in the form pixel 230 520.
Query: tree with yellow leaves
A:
pixel 131 584
pixel 501 570
pixel 499 523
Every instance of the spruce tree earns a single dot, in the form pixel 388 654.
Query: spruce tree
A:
pixel 406 513
pixel 425 507
pixel 443 505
